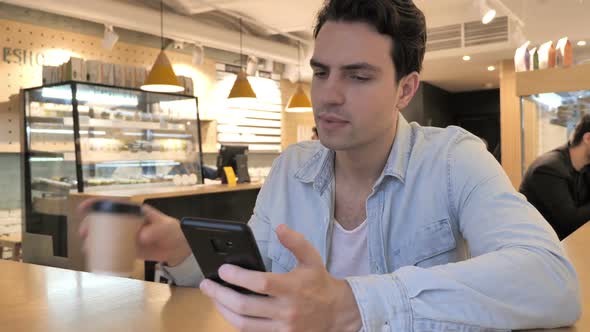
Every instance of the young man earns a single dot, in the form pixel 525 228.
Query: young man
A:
pixel 558 182
pixel 384 225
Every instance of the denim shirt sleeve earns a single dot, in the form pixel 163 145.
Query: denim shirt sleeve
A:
pixel 517 277
pixel 185 274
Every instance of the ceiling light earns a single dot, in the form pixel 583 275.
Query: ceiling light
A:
pixel 299 101
pixel 582 43
pixel 110 37
pixel 162 77
pixel 251 65
pixel 491 68
pixel 466 58
pixel 242 88
pixel 198 55
pixel 487 13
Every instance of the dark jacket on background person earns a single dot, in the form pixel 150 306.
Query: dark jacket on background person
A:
pixel 558 191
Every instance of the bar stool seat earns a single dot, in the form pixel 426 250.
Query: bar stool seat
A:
pixel 13 242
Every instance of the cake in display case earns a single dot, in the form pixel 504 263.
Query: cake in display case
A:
pixel 82 137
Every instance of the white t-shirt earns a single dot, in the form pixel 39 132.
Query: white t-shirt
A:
pixel 349 252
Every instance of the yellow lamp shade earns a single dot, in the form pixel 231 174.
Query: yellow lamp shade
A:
pixel 299 102
pixel 241 88
pixel 162 77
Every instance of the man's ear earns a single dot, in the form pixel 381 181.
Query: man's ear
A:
pixel 407 88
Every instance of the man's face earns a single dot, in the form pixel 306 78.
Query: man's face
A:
pixel 354 91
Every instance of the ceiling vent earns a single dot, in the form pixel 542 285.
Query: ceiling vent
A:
pixel 477 33
pixel 468 34
pixel 444 38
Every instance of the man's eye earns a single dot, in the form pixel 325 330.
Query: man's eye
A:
pixel 360 78
pixel 319 74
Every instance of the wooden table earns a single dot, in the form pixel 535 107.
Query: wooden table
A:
pixel 576 247
pixel 37 298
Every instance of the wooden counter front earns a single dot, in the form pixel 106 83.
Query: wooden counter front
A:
pixel 44 299
pixel 138 195
pixel 36 251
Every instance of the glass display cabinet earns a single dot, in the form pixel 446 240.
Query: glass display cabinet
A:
pixel 80 136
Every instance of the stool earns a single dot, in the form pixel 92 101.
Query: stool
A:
pixel 14 242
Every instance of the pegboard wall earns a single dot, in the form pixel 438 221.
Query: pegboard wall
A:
pixel 25 48
pixel 10 124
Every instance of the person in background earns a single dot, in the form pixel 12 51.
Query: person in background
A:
pixel 383 225
pixel 558 182
pixel 314 135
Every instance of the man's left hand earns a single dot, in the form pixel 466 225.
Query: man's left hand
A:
pixel 306 299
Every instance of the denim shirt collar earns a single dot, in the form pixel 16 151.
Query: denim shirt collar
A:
pixel 319 169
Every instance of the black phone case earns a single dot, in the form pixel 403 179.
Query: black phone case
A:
pixel 217 242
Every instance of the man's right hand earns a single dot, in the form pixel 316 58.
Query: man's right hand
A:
pixel 159 239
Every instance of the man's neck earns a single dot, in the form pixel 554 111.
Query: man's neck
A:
pixel 579 157
pixel 364 165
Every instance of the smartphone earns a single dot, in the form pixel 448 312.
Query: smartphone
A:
pixel 218 242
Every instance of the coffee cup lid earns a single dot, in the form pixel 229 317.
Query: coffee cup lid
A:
pixel 116 207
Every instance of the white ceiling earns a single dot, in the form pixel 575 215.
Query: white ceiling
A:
pixel 279 20
pixel 543 20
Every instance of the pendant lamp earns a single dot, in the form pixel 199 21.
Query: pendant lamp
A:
pixel 162 77
pixel 299 102
pixel 241 88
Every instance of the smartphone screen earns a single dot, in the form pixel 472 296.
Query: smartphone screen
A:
pixel 218 242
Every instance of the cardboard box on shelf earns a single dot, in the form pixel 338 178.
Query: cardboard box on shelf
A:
pixel 49 74
pixel 534 59
pixel 182 81
pixel 129 76
pixel 522 58
pixel 93 70
pixel 564 56
pixel 547 55
pixel 107 71
pixel 75 70
pixel 189 87
pixel 140 76
pixel 119 73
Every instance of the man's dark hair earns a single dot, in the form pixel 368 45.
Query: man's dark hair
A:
pixel 583 127
pixel 315 130
pixel 399 19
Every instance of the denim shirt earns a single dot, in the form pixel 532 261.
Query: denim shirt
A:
pixel 452 245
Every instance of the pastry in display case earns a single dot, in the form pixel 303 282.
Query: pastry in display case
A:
pixel 83 137
pixel 548 119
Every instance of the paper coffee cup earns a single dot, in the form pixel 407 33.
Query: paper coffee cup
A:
pixel 111 241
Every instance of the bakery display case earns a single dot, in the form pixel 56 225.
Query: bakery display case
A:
pixel 83 136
